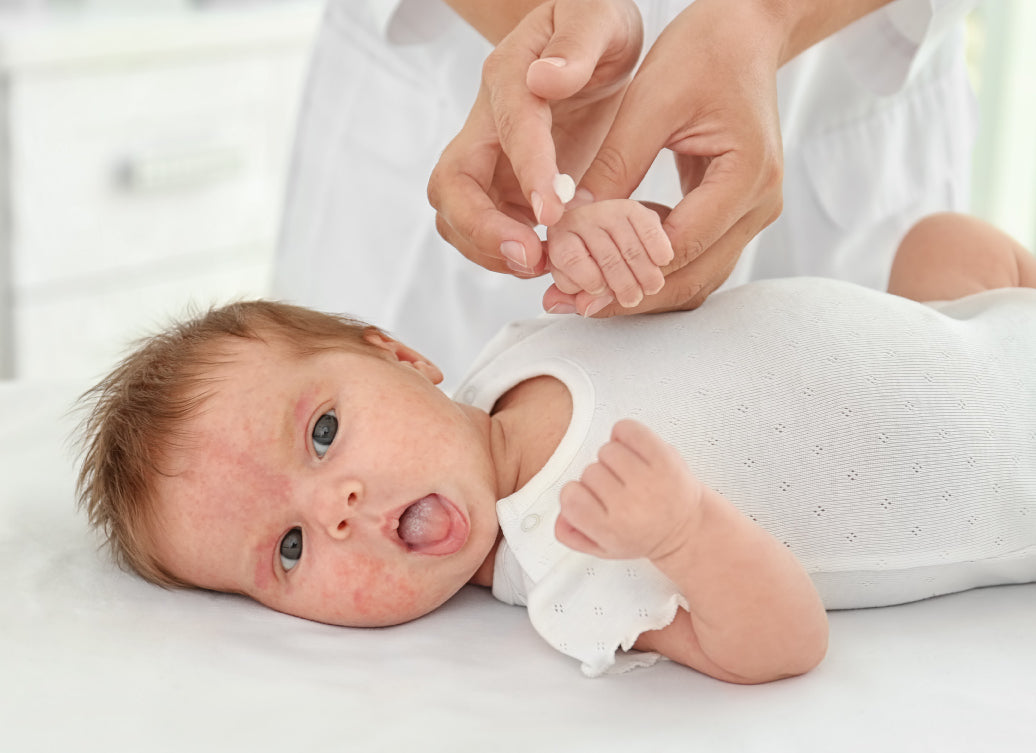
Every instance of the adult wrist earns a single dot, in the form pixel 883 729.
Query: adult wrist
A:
pixel 493 19
pixel 803 23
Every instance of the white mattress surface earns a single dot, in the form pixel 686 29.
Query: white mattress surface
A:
pixel 93 659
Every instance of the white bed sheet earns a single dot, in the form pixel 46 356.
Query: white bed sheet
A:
pixel 93 659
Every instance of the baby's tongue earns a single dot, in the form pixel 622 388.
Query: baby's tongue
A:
pixel 425 522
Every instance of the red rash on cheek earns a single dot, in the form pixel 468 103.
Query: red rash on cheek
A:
pixel 262 507
pixel 263 575
pixel 372 591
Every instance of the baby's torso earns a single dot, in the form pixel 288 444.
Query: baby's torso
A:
pixel 867 432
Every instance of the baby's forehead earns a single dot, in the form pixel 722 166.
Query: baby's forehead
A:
pixel 273 347
pixel 239 430
pixel 230 351
pixel 238 364
pixel 232 376
pixel 257 378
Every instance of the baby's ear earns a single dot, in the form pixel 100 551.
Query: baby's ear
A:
pixel 404 354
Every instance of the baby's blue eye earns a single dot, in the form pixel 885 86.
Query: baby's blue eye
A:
pixel 291 548
pixel 324 432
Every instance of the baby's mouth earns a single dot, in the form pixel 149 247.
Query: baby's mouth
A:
pixel 432 525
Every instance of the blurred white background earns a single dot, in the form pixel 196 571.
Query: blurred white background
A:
pixel 142 164
pixel 1003 63
pixel 144 146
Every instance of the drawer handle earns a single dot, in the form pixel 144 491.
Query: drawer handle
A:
pixel 160 171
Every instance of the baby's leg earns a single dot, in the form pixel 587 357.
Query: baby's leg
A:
pixel 948 256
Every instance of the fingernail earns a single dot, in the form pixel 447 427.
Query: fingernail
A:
pixel 597 304
pixel 562 308
pixel 556 62
pixel 514 252
pixel 537 205
pixel 525 271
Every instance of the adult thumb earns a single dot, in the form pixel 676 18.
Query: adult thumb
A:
pixel 585 39
pixel 624 158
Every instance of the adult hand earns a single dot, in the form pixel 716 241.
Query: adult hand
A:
pixel 706 90
pixel 549 91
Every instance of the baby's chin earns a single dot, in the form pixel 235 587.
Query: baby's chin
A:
pixel 365 611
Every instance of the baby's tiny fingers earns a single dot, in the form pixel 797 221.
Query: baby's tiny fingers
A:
pixel 564 283
pixel 624 465
pixel 573 538
pixel 579 504
pixel 611 257
pixel 629 270
pixel 602 481
pixel 582 511
pixel 643 442
pixel 648 226
pixel 657 247
pixel 652 280
pixel 646 249
pixel 569 255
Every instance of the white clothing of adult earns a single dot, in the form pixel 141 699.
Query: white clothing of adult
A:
pixel 877 123
pixel 891 445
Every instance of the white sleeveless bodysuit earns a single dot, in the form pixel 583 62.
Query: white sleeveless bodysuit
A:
pixel 890 444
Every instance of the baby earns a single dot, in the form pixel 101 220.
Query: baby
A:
pixel 697 485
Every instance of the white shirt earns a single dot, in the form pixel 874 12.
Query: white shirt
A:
pixel 889 444
pixel 877 123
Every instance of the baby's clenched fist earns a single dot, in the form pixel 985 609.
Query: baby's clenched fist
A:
pixel 638 499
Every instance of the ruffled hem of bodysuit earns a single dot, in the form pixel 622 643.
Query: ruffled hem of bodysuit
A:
pixel 623 657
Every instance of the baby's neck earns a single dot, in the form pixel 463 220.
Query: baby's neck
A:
pixel 527 424
pixel 533 415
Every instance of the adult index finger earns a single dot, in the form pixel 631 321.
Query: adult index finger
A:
pixel 564 47
pixel 467 217
pixel 523 120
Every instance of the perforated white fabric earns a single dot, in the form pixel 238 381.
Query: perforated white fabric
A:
pixel 890 444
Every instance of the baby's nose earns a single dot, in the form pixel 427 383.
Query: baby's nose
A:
pixel 339 505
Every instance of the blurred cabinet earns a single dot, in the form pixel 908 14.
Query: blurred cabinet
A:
pixel 142 162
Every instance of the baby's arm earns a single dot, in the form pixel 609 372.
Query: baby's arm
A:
pixel 754 613
pixel 615 247
pixel 947 256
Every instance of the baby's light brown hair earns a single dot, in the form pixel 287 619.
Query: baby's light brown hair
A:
pixel 136 415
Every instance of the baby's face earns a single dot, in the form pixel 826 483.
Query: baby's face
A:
pixel 342 487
